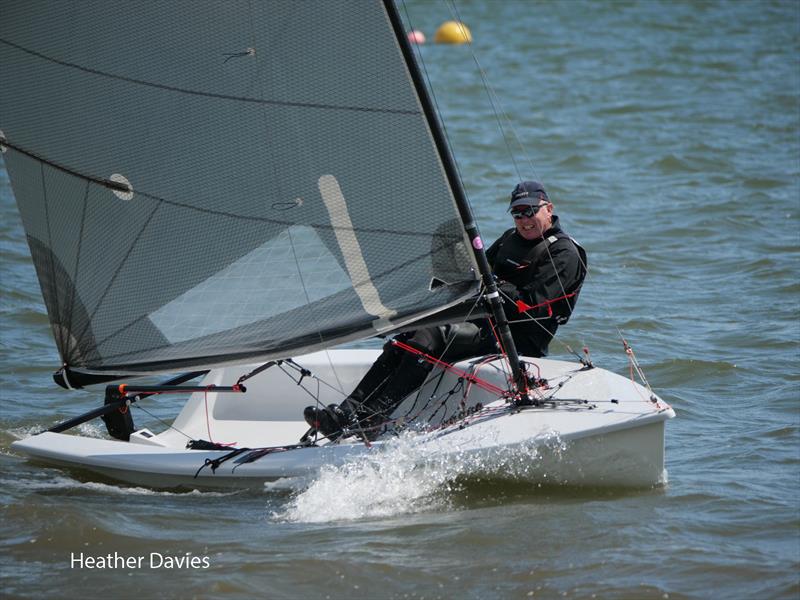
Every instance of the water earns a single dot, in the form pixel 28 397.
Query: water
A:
pixel 668 134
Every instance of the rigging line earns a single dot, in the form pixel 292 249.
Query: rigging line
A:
pixel 505 364
pixel 635 365
pixel 373 413
pixel 535 320
pixel 475 367
pixel 562 379
pixel 413 406
pixel 458 387
pixel 606 311
pixel 295 365
pixel 558 277
pixel 490 92
pixel 494 100
pixel 217 96
pixel 266 122
pixel 309 303
pixel 162 421
pixel 440 399
pixel 450 367
pixel 298 367
pixel 448 344
pixel 445 132
pixel 457 17
pixel 299 382
pixel 555 270
pixel 435 100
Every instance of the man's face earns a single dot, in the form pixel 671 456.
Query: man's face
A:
pixel 533 221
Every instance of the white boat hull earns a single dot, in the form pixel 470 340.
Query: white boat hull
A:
pixel 600 430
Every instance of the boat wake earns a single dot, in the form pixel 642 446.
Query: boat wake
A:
pixel 89 429
pixel 65 484
pixel 408 476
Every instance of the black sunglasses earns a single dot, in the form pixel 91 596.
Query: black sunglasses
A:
pixel 528 211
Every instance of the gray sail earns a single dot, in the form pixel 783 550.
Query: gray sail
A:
pixel 208 182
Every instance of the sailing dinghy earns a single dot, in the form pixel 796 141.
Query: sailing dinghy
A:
pixel 228 191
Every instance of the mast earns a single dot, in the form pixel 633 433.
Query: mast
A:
pixel 470 226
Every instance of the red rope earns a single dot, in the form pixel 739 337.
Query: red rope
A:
pixel 497 338
pixel 477 368
pixel 445 365
pixel 523 307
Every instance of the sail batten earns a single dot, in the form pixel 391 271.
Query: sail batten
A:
pixel 253 184
pixel 454 238
pixel 159 86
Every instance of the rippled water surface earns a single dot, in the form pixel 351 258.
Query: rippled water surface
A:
pixel 668 134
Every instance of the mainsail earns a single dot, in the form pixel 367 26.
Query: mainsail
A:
pixel 213 182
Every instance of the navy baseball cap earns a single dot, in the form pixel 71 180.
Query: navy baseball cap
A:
pixel 528 193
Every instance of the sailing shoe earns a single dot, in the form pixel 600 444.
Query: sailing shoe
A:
pixel 328 421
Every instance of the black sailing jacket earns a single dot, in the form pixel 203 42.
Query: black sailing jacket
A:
pixel 537 275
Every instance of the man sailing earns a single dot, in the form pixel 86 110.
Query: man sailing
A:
pixel 540 270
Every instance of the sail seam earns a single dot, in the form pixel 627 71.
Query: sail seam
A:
pixel 374 277
pixel 170 88
pixel 253 218
pixel 60 333
pixel 77 261
pixel 117 272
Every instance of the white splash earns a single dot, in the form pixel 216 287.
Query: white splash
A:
pixel 21 433
pixel 89 429
pixel 92 429
pixel 407 475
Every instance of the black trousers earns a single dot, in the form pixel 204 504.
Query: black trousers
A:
pixel 397 372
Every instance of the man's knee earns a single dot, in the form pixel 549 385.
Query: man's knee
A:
pixel 430 340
